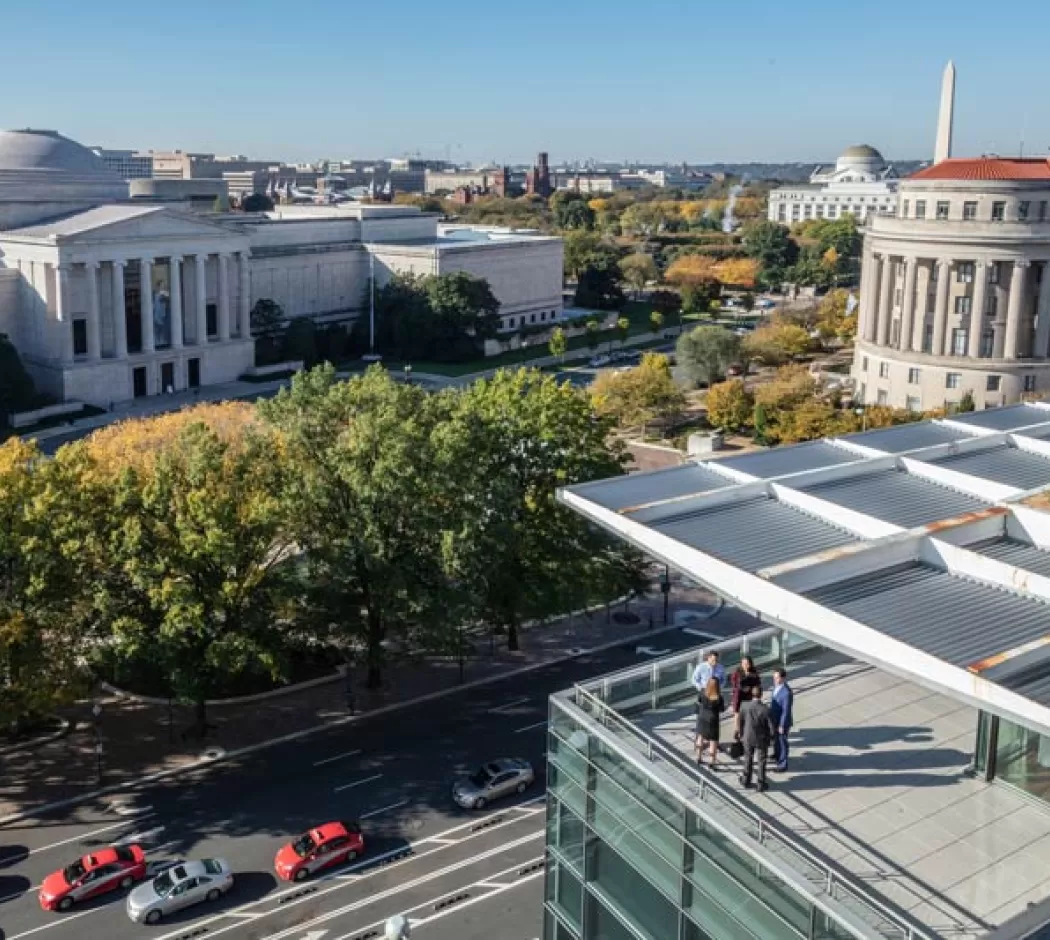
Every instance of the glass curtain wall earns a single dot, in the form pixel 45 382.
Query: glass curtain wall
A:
pixel 627 859
pixel 1008 752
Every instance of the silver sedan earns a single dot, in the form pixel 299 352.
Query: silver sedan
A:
pixel 497 778
pixel 182 885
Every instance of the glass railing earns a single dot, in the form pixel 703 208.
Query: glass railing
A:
pixel 608 701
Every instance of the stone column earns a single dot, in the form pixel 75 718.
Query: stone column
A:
pixel 201 285
pixel 922 304
pixel 62 311
pixel 908 306
pixel 870 301
pixel 1018 283
pixel 224 298
pixel 940 311
pixel 146 303
pixel 1042 326
pixel 245 297
pixel 120 317
pixel 175 267
pixel 94 326
pixel 980 299
pixel 885 310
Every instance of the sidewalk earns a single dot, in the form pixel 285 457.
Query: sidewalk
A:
pixel 141 739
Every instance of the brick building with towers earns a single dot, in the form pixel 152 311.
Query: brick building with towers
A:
pixel 538 179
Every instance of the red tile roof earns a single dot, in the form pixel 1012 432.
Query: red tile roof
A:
pixel 987 168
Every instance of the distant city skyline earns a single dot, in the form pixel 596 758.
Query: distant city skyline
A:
pixel 608 82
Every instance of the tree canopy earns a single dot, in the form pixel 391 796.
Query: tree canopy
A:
pixel 770 245
pixel 634 398
pixel 706 352
pixel 16 387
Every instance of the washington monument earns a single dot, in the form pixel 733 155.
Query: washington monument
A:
pixel 946 115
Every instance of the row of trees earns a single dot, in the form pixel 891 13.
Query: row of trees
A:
pixel 790 409
pixel 818 253
pixel 353 515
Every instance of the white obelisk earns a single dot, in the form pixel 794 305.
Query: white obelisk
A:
pixel 946 115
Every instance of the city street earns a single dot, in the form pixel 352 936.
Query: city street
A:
pixel 392 772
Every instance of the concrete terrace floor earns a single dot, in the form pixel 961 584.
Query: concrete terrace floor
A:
pixel 878 786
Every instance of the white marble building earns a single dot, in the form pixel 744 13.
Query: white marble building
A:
pixel 106 299
pixel 860 184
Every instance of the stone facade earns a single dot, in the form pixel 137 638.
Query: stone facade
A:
pixel 955 288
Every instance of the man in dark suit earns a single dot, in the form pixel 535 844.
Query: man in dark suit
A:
pixel 756 734
pixel 782 710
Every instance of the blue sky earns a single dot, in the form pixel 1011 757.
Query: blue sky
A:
pixel 694 80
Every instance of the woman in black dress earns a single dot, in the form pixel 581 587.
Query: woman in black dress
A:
pixel 709 708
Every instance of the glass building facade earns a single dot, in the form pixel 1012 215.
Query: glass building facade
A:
pixel 641 847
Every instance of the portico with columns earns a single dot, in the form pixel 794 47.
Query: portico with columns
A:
pixel 127 301
pixel 955 290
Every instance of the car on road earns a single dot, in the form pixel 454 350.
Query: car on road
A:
pixel 181 885
pixel 334 843
pixel 493 780
pixel 599 362
pixel 118 866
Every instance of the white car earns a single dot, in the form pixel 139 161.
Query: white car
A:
pixel 599 361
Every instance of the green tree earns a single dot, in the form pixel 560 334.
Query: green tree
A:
pixel 776 343
pixel 668 302
pixel 300 341
pixel 579 246
pixel 656 321
pixel 638 269
pixel 598 286
pixel 368 496
pixel 771 246
pixel 761 423
pixel 730 405
pixel 511 441
pixel 698 299
pixel 266 316
pixel 558 344
pixel 706 352
pixel 636 397
pixel 593 334
pixel 16 387
pixel 571 212
pixel 45 625
pixel 201 539
pixel 966 403
pixel 257 202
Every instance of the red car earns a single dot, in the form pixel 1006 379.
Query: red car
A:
pixel 119 866
pixel 334 843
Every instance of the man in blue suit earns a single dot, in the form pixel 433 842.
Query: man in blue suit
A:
pixel 781 711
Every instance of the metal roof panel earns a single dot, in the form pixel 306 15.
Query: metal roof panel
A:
pixel 1005 419
pixel 779 461
pixel 896 496
pixel 752 533
pixel 1015 552
pixel 1002 464
pixel 636 489
pixel 905 437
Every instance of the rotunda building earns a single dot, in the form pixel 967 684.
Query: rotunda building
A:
pixel 955 288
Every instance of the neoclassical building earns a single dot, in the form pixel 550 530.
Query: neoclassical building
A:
pixel 955 288
pixel 861 184
pixel 108 298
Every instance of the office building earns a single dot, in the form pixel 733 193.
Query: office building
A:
pixel 903 576
pixel 127 164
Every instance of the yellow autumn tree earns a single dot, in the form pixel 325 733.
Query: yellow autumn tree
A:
pixel 738 272
pixel 636 397
pixel 729 405
pixel 691 270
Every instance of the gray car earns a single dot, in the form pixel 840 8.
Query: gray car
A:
pixel 495 779
pixel 182 885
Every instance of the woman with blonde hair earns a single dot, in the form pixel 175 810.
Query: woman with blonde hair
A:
pixel 709 708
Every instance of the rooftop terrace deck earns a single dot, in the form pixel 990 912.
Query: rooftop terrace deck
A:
pixel 879 786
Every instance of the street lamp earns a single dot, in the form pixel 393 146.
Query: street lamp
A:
pixel 96 712
pixel 862 413
pixel 408 374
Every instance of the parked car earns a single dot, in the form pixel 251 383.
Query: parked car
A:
pixel 599 361
pixel 766 304
pixel 495 779
pixel 182 885
pixel 118 866
pixel 334 843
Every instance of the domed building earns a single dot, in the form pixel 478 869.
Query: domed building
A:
pixel 44 175
pixel 861 184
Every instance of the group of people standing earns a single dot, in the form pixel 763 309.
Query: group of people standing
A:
pixel 758 726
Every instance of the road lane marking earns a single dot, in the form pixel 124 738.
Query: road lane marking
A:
pixel 60 922
pixel 440 841
pixel 383 809
pixel 84 835
pixel 515 704
pixel 335 757
pixel 398 889
pixel 490 884
pixel 530 727
pixel 352 873
pixel 455 908
pixel 356 783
